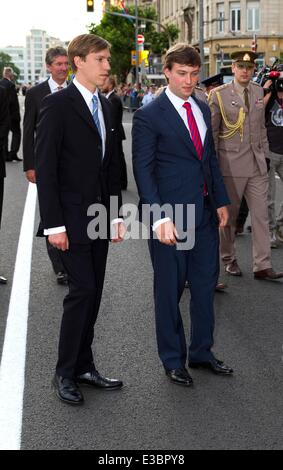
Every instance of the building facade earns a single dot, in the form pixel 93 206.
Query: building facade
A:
pixel 37 43
pixel 18 57
pixel 228 25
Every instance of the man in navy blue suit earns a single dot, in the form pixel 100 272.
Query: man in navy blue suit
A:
pixel 175 163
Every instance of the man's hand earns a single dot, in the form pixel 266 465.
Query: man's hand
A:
pixel 59 240
pixel 267 94
pixel 223 216
pixel 119 231
pixel 30 175
pixel 167 233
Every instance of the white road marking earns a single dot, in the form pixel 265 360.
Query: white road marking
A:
pixel 12 369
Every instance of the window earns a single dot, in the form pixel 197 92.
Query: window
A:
pixel 235 17
pixel 253 16
pixel 220 17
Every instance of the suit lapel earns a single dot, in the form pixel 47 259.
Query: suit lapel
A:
pixel 176 122
pixel 80 106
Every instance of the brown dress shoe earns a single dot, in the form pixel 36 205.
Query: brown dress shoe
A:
pixel 267 274
pixel 233 269
pixel 220 287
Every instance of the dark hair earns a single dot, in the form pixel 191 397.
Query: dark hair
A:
pixel 83 45
pixel 54 52
pixel 181 53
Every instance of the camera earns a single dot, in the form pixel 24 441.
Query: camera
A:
pixel 274 73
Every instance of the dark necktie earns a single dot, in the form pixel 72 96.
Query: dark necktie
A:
pixel 59 88
pixel 195 135
pixel 246 96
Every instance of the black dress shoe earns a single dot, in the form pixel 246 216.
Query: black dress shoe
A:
pixel 67 390
pixel 216 366
pixel 94 379
pixel 62 278
pixel 179 376
pixel 3 280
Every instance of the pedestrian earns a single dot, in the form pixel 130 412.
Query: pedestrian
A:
pixel 14 116
pixel 241 142
pixel 4 126
pixel 77 166
pixel 57 65
pixel 174 162
pixel 274 126
pixel 109 88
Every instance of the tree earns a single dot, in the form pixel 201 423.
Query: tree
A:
pixel 6 61
pixel 120 32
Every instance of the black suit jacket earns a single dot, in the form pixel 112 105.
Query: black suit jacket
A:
pixel 117 113
pixel 70 172
pixel 14 108
pixel 33 101
pixel 4 126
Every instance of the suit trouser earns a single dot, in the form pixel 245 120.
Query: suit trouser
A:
pixel 123 166
pixel 276 166
pixel 85 266
pixel 255 190
pixel 172 267
pixel 15 128
pixel 55 258
pixel 1 197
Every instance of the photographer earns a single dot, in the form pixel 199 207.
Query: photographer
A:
pixel 274 123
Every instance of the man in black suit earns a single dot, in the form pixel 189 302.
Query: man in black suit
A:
pixel 14 116
pixel 4 126
pixel 117 110
pixel 57 65
pixel 77 166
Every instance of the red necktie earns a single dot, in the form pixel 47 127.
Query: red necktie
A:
pixel 195 135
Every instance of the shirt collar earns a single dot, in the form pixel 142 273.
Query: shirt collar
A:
pixel 176 100
pixel 240 88
pixel 87 95
pixel 54 86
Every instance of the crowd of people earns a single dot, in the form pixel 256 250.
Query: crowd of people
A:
pixel 212 148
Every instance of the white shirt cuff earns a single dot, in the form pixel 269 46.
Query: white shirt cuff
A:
pixel 116 221
pixel 159 222
pixel 53 231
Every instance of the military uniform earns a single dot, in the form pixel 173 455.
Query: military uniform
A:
pixel 240 138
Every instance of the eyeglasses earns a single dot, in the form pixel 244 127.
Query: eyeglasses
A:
pixel 245 66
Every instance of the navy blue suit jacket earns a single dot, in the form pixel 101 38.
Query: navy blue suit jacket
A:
pixel 166 166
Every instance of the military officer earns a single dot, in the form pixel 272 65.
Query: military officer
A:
pixel 241 141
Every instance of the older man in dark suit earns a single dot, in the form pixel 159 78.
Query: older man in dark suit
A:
pixel 57 65
pixel 4 126
pixel 77 166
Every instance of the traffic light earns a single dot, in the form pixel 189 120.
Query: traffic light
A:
pixel 89 6
pixel 254 46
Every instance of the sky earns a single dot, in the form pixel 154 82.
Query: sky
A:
pixel 63 19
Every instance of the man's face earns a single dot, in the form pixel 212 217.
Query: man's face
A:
pixel 182 79
pixel 59 69
pixel 94 70
pixel 243 73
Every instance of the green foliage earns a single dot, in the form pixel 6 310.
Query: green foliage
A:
pixel 6 61
pixel 120 32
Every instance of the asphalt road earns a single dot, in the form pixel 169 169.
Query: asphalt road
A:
pixel 242 412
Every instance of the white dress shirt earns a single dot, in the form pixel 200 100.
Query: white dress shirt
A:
pixel 178 105
pixel 54 86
